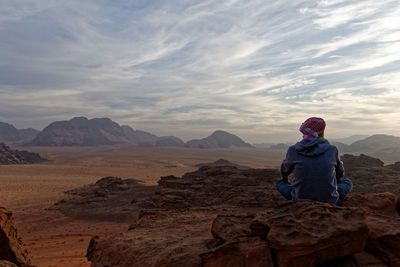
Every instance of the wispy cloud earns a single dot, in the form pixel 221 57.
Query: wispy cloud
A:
pixel 256 68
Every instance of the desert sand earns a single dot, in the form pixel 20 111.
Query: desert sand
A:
pixel 30 191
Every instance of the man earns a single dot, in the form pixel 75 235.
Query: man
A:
pixel 318 171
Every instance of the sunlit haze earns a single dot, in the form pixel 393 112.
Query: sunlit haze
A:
pixel 186 68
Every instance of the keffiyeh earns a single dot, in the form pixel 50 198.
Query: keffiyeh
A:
pixel 312 128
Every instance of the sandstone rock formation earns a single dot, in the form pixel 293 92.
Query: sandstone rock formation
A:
pixel 11 135
pixel 110 199
pixel 157 239
pixel 232 217
pixel 218 139
pixel 383 221
pixel 305 233
pixel 10 245
pixel 370 175
pixel 80 131
pixel 217 187
pixel 9 156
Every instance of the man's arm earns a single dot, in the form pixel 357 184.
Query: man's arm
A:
pixel 287 166
pixel 339 167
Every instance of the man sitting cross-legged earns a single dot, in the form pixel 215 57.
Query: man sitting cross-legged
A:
pixel 318 171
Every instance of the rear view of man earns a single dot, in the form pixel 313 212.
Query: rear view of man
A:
pixel 318 171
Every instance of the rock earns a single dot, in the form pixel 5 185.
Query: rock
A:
pixel 10 246
pixel 7 264
pixel 243 252
pixel 369 175
pixel 9 156
pixel 159 238
pixel 383 222
pixel 219 187
pixel 230 227
pixel 297 228
pixel 382 203
pixel 109 199
pixel 351 161
pixel 384 238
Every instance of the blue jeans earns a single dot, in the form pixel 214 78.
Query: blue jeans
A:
pixel 344 187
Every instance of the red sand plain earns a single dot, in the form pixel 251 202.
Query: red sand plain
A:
pixel 53 239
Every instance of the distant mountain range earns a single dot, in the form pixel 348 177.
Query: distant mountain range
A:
pixel 81 131
pixel 11 135
pixel 385 147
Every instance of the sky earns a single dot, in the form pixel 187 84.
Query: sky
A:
pixel 255 68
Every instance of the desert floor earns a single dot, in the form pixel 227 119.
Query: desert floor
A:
pixel 53 239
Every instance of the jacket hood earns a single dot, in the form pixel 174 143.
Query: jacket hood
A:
pixel 312 148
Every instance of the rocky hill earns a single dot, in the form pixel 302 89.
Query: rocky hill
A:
pixel 218 139
pixel 11 135
pixel 138 137
pixel 9 156
pixel 80 131
pixel 375 143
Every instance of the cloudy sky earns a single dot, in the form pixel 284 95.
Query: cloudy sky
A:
pixel 256 68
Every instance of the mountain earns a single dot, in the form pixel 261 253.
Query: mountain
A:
pixel 9 156
pixel 375 143
pixel 81 131
pixel 169 141
pixel 12 135
pixel 138 137
pixel 351 139
pixel 219 139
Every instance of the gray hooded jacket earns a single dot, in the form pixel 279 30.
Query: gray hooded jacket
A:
pixel 316 167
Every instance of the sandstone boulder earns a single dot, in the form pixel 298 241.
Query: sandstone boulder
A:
pixel 10 245
pixel 383 222
pixel 249 252
pixel 305 233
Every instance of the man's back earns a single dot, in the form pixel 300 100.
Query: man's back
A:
pixel 316 167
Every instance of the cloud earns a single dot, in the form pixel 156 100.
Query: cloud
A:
pixel 255 68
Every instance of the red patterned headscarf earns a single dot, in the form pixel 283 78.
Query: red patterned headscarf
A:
pixel 312 128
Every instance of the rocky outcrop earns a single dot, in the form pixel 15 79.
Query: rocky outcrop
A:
pixel 219 139
pixel 9 156
pixel 109 199
pixel 383 221
pixel 296 229
pixel 159 238
pixel 220 163
pixel 233 217
pixel 10 245
pixel 369 175
pixel 217 187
